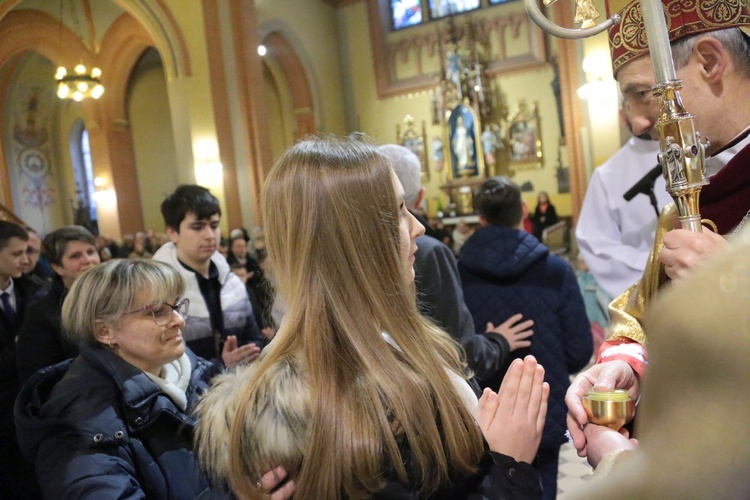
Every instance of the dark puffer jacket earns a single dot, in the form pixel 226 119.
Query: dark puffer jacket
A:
pixel 507 271
pixel 98 427
pixel 41 342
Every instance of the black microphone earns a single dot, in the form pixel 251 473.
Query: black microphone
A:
pixel 645 185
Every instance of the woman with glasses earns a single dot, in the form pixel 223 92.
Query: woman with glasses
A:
pixel 116 422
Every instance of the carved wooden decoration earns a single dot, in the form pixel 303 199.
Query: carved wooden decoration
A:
pixel 409 61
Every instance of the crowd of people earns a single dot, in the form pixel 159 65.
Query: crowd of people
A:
pixel 345 352
pixel 40 340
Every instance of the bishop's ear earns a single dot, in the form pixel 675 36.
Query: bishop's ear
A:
pixel 713 58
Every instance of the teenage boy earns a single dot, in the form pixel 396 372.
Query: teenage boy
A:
pixel 221 323
pixel 505 271
pixel 16 292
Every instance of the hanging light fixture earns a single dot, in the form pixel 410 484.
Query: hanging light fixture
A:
pixel 81 83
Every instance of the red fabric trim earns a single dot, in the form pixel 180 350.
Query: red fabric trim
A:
pixel 635 363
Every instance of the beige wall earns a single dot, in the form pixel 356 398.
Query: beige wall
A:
pixel 603 129
pixel 69 112
pixel 190 102
pixel 310 26
pixel 279 108
pixel 153 142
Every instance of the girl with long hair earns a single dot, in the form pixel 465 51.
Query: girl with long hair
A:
pixel 359 395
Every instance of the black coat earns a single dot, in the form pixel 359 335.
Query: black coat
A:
pixel 442 300
pixel 41 342
pixel 26 294
pixel 16 476
pixel 542 220
pixel 498 477
pixel 98 427
pixel 507 271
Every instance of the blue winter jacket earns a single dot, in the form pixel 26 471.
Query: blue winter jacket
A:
pixel 98 427
pixel 505 271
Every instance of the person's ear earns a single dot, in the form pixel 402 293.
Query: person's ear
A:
pixel 420 197
pixel 57 268
pixel 103 333
pixel 713 58
pixel 173 235
pixel 623 119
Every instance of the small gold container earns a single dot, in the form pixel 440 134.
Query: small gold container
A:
pixel 465 201
pixel 612 409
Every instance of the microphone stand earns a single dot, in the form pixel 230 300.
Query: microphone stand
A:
pixel 646 186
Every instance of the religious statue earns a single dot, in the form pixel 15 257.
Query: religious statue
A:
pixel 463 148
pixel 488 144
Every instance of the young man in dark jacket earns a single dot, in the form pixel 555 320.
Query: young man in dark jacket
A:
pixel 506 270
pixel 17 292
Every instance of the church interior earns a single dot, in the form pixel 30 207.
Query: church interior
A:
pixel 108 105
pixel 212 92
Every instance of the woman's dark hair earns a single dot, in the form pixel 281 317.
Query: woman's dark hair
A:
pixel 55 243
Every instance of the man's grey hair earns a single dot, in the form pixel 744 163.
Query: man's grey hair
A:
pixel 408 169
pixel 733 39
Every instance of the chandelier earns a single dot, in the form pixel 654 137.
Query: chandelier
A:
pixel 80 84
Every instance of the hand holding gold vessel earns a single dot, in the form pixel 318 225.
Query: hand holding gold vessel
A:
pixel 611 409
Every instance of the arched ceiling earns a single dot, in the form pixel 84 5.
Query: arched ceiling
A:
pixel 75 17
pixel 83 17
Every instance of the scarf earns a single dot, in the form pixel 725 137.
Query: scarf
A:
pixel 174 379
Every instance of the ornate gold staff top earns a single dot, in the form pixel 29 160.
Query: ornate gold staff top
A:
pixel 682 154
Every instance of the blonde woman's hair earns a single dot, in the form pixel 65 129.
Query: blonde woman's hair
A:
pixel 330 399
pixel 107 291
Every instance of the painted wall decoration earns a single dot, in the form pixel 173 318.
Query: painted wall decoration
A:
pixel 32 153
pixel 415 141
pixel 524 138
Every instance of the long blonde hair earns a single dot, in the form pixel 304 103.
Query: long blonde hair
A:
pixel 332 230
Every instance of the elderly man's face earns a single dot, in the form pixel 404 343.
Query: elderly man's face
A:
pixel 640 106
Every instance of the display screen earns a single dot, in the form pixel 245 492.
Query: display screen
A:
pixel 406 13
pixel 442 8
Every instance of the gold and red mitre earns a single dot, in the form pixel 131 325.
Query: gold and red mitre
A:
pixel 627 40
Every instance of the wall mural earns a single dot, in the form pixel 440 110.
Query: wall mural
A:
pixel 32 154
pixel 31 157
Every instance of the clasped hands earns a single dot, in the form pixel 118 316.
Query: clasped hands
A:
pixel 512 420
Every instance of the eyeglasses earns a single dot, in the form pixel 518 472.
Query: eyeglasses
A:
pixel 162 313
